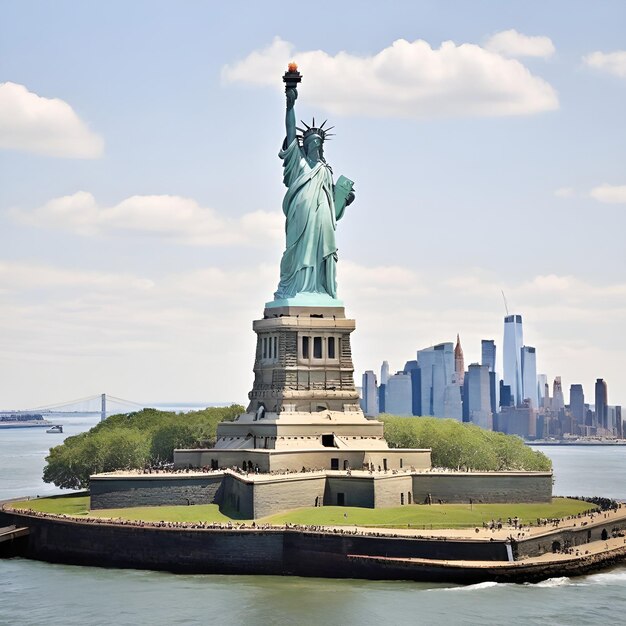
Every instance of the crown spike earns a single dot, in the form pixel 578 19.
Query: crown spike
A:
pixel 305 124
pixel 313 122
pixel 322 125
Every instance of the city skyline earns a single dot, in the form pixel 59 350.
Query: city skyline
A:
pixel 140 189
pixel 479 390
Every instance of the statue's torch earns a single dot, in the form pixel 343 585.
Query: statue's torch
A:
pixel 292 77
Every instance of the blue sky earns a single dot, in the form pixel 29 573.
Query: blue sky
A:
pixel 140 189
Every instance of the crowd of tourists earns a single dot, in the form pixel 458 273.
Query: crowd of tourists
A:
pixel 250 468
pixel 253 468
pixel 228 526
pixel 493 525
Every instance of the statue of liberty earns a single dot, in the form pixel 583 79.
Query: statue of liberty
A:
pixel 312 206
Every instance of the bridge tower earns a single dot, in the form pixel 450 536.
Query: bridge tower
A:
pixel 103 410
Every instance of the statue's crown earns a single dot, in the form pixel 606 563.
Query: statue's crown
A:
pixel 320 131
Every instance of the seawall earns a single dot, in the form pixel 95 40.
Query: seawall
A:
pixel 290 551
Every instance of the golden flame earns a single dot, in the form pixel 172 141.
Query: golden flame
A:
pixel 292 67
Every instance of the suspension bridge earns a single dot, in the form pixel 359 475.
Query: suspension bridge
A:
pixel 99 404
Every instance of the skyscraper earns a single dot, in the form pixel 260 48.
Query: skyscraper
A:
pixel 412 369
pixel 369 394
pixel 384 372
pixel 384 377
pixel 558 400
pixel 577 403
pixel 398 396
pixel 505 395
pixel 602 402
pixel 488 358
pixel 529 376
pixel 476 397
pixel 426 361
pixel 493 392
pixel 513 342
pixel 488 354
pixel 459 361
pixel 436 366
pixel 542 385
pixel 611 423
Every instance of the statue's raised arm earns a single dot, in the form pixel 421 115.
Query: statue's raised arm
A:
pixel 312 206
pixel 291 79
pixel 290 115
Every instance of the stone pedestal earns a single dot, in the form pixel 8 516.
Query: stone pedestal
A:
pixel 303 362
pixel 303 396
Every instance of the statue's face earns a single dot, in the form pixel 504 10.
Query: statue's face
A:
pixel 314 147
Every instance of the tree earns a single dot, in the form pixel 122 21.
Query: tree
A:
pixel 167 438
pixel 456 445
pixel 130 441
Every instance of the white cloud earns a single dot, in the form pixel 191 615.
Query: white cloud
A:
pixel 537 290
pixel 169 217
pixel 379 281
pixel 514 44
pixel 22 277
pixel 612 194
pixel 48 126
pixel 564 192
pixel 611 62
pixel 407 79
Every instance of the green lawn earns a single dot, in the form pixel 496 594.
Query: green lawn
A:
pixel 418 516
pixel 79 505
pixel 193 513
pixel 74 504
pixel 435 516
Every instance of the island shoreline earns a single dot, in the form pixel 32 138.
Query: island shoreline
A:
pixel 293 550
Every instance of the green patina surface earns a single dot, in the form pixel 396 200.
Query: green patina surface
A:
pixel 306 300
pixel 312 206
pixel 435 516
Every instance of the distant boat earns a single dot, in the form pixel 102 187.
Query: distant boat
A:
pixel 55 429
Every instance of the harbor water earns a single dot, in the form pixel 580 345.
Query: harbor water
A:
pixel 33 593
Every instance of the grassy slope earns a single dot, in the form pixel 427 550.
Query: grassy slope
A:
pixel 75 504
pixel 437 516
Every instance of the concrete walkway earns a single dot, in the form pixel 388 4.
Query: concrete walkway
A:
pixel 485 534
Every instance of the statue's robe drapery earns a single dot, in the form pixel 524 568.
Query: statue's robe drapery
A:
pixel 309 261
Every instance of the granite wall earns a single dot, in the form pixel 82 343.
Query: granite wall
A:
pixel 288 493
pixel 450 487
pixel 393 490
pixel 111 492
pixel 572 537
pixel 237 497
pixel 257 496
pixel 357 491
pixel 213 551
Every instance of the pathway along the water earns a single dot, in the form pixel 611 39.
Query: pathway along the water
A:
pixel 585 543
